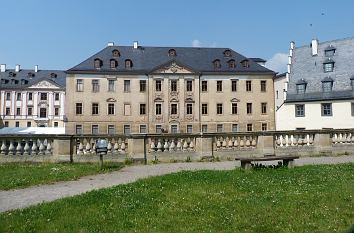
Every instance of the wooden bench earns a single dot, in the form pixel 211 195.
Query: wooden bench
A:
pixel 287 160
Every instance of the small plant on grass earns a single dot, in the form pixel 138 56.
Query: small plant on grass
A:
pixel 188 160
pixel 258 166
pixel 128 161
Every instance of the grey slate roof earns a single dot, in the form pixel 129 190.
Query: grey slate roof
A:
pixel 146 59
pixel 257 59
pixel 310 68
pixel 25 78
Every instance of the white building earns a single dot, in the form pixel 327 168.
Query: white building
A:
pixel 31 98
pixel 319 87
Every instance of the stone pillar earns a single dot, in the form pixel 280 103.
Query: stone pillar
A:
pixel 265 145
pixel 136 148
pixel 203 147
pixel 323 143
pixel 61 147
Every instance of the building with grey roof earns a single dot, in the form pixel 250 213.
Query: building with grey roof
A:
pixel 31 97
pixel 319 86
pixel 144 89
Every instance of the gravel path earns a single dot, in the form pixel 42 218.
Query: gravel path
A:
pixel 21 198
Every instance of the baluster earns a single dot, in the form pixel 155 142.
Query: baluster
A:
pixel 295 140
pixel 26 149
pixel 349 138
pixel 116 147
pixel 41 148
pixel 87 148
pixel 230 143
pixel 179 145
pixel 286 140
pixel 34 148
pixel 277 141
pixel 281 140
pixel 248 143
pixel 218 144
pixel 235 143
pixel 191 145
pixel 152 146
pixel 49 148
pixel 18 148
pixel 311 140
pixel 166 146
pixel 291 140
pixel 185 145
pixel 340 138
pixel 307 142
pixel 3 148
pixel 109 147
pixel 254 142
pixel 11 148
pixel 224 144
pixel 81 148
pixel 123 146
pixel 352 138
pixel 159 145
pixel 242 143
pixel 172 146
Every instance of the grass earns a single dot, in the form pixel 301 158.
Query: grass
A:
pixel 303 199
pixel 20 175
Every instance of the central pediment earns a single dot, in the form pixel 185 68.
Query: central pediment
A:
pixel 173 67
pixel 45 85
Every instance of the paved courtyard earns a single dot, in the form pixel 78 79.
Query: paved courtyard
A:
pixel 21 198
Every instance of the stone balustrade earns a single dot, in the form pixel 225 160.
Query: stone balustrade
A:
pixel 293 139
pixel 171 144
pixel 87 145
pixel 234 142
pixel 26 146
pixel 342 138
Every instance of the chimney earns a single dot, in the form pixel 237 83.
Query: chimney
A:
pixel 36 68
pixel 135 44
pixel 314 46
pixel 17 68
pixel 3 67
pixel 110 44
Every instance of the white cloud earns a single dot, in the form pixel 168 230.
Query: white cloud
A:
pixel 278 62
pixel 196 43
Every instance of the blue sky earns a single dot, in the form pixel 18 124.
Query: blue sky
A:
pixel 60 34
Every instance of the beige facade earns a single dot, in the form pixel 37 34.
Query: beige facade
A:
pixel 176 99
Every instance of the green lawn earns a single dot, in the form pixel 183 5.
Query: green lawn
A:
pixel 19 175
pixel 303 199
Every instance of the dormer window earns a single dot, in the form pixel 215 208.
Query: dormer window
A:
pixel 330 51
pixel 227 53
pixel 113 63
pixel 217 64
pixel 328 65
pixel 115 53
pixel 352 82
pixel 30 75
pixel 301 86
pixel 172 53
pixel 128 63
pixel 232 63
pixel 97 63
pixel 53 75
pixel 12 74
pixel 245 63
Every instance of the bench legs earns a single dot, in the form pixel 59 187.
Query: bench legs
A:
pixel 246 165
pixel 289 163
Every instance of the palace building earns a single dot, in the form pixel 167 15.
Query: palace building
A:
pixel 31 98
pixel 141 89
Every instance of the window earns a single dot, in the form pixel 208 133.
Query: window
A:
pixel 126 85
pixel 56 111
pixel 7 111
pixel 326 109
pixel 264 108
pixel 352 109
pixel 173 109
pixel 204 109
pixel 95 85
pixel 299 110
pixel 204 128
pixel 111 109
pixel 142 85
pixel 44 96
pixel 29 111
pixel 158 85
pixel 79 85
pixel 173 85
pixel 78 108
pixel 142 109
pixel 97 63
pixel 330 52
pixel 328 67
pixel 300 88
pixel 127 110
pixel 189 109
pixel 17 124
pixel 245 64
pixel 234 127
pixel 248 85
pixel 94 129
pixel 18 97
pixel 6 124
pixel 8 96
pixel 189 128
pixel 158 109
pixel 115 53
pixel 234 108
pixel 56 124
pixel 94 109
pixel 56 96
pixel 128 63
pixel 18 111
pixel 126 129
pixel 204 86
pixel 232 64
pixel 263 86
pixel 111 85
pixel 189 85
pixel 172 52
pixel 30 96
pixel 142 129
pixel 233 85
pixel 78 129
pixel 217 64
pixel 218 108
pixel 110 129
pixel 249 127
pixel 173 128
pixel 264 127
pixel 113 63
pixel 327 86
pixel 42 112
pixel 29 124
pixel 249 108
pixel 219 128
pixel 158 129
pixel 218 85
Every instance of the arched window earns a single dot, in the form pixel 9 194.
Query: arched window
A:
pixel 97 63
pixel 217 64
pixel 53 75
pixel 245 63
pixel 227 53
pixel 115 53
pixel 128 63
pixel 113 63
pixel 232 63
pixel 172 53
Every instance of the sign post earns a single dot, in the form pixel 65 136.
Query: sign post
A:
pixel 101 149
